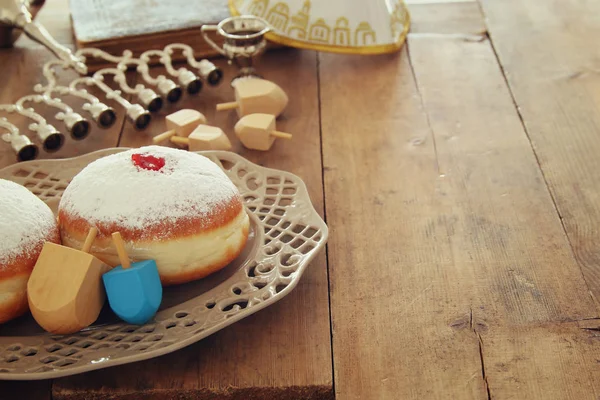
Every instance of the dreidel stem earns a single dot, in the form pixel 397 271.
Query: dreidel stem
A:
pixel 180 140
pixel 281 135
pixel 163 136
pixel 87 245
pixel 227 106
pixel 123 257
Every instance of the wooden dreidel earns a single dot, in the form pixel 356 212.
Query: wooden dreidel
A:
pixel 134 290
pixel 257 131
pixel 180 123
pixel 65 290
pixel 204 137
pixel 253 95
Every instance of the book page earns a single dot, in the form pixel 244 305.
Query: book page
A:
pixel 95 20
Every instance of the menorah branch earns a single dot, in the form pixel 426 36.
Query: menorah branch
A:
pixel 151 94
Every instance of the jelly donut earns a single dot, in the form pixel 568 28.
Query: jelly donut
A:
pixel 172 206
pixel 26 223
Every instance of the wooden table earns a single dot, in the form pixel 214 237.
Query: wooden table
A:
pixel 460 180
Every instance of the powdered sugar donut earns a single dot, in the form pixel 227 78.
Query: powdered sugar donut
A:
pixel 173 206
pixel 26 222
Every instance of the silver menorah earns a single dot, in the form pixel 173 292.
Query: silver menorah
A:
pixel 149 96
pixel 244 40
pixel 138 113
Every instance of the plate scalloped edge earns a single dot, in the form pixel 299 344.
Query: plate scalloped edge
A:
pixel 289 233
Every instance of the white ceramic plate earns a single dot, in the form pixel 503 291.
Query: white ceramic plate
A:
pixel 286 234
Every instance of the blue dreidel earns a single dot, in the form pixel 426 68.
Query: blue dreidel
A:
pixel 134 290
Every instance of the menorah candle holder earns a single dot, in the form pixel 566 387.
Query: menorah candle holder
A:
pixel 149 96
pixel 21 144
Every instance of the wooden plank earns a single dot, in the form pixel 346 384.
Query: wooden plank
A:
pixel 392 329
pixel 553 361
pixel 446 18
pixel 283 352
pixel 30 390
pixel 528 278
pixel 550 53
pixel 20 71
pixel 473 243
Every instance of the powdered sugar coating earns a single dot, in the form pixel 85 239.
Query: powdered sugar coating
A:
pixel 25 222
pixel 114 190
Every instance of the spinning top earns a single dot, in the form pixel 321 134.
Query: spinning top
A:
pixel 204 137
pixel 256 96
pixel 257 131
pixel 134 290
pixel 180 123
pixel 65 290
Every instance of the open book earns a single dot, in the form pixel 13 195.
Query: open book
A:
pixel 140 25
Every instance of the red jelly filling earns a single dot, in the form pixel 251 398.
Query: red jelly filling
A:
pixel 147 161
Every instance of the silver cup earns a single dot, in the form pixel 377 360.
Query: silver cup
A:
pixel 244 40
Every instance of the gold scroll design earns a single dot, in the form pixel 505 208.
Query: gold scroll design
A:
pixel 364 35
pixel 299 26
pixel 399 19
pixel 341 32
pixel 279 16
pixel 258 7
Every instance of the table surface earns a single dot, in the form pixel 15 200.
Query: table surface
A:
pixel 460 179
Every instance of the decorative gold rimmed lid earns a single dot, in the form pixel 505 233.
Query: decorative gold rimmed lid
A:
pixel 339 26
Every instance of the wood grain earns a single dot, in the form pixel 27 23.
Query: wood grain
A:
pixel 530 279
pixel 389 278
pixel 473 245
pixel 30 390
pixel 283 352
pixel 550 361
pixel 446 18
pixel 550 54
